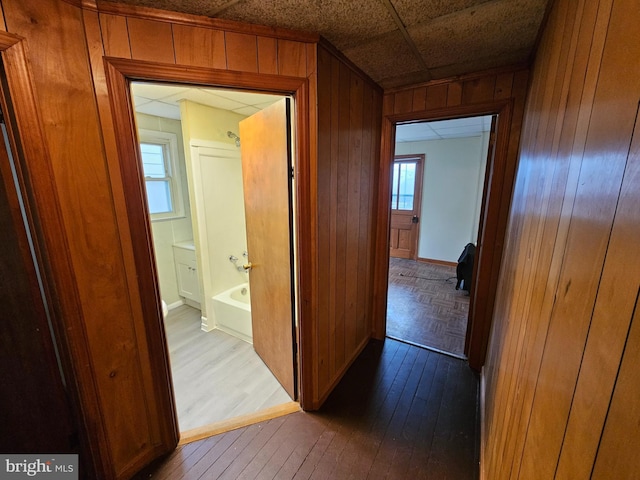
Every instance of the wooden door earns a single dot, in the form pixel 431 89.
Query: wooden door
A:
pixel 32 422
pixel 406 189
pixel 266 166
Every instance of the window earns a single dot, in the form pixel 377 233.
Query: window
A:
pixel 159 151
pixel 403 187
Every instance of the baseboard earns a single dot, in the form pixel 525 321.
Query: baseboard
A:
pixel 223 426
pixel 437 262
pixel 174 305
pixel 483 475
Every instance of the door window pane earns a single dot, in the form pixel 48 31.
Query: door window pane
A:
pixel 404 181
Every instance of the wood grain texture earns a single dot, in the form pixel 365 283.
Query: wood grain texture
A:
pixel 242 52
pixel 399 412
pixel 552 376
pixel 292 58
pixel 347 175
pixel 115 36
pixel 151 40
pixel 77 158
pixel 266 165
pixel 199 46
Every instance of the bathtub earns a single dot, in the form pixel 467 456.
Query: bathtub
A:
pixel 232 311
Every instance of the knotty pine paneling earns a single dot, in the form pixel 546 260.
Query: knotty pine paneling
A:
pixel 202 47
pixel 558 396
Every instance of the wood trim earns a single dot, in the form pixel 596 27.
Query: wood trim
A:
pixel 497 199
pixel 437 262
pixel 238 422
pixel 118 73
pixel 202 21
pixel 32 158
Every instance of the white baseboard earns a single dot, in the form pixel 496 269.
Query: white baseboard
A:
pixel 173 305
pixel 204 325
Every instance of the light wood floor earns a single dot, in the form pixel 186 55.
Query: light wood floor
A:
pixel 400 412
pixel 215 375
pixel 424 308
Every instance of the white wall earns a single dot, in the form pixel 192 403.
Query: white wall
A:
pixel 451 194
pixel 167 232
pixel 216 194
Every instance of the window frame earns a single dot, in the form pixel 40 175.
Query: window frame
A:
pixel 169 143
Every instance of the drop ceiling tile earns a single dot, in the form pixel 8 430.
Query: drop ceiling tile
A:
pixel 492 29
pixel 385 55
pixel 246 111
pixel 156 91
pixel 412 12
pixel 137 100
pixel 342 22
pixel 160 109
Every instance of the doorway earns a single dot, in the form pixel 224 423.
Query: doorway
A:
pixel 425 304
pixel 196 158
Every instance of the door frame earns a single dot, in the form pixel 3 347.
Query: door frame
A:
pixel 420 159
pixel 500 176
pixel 119 73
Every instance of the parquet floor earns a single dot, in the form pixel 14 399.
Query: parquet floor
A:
pixel 400 412
pixel 423 306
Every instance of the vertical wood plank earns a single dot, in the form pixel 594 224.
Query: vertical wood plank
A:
pixel 436 96
pixel 200 47
pixel 242 52
pixel 325 198
pixel 403 101
pixel 503 84
pixel 419 98
pixel 151 40
pixel 342 225
pixel 115 36
pixel 333 225
pixel 292 58
pixel 388 103
pixel 454 94
pixel 478 90
pixel 267 55
pixel 353 209
pixel 618 453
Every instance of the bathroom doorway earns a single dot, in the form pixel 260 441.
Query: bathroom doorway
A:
pixel 193 144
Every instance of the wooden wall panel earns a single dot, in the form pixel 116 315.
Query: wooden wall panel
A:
pixel 151 40
pixel 267 55
pixel 115 36
pixel 348 137
pixel 563 311
pixel 201 47
pixel 74 142
pixel 292 58
pixel 339 145
pixel 242 52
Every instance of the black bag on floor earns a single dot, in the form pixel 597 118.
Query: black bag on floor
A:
pixel 464 270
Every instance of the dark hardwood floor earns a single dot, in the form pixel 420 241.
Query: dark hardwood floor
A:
pixel 424 308
pixel 400 412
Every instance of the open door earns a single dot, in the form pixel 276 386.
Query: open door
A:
pixel 266 166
